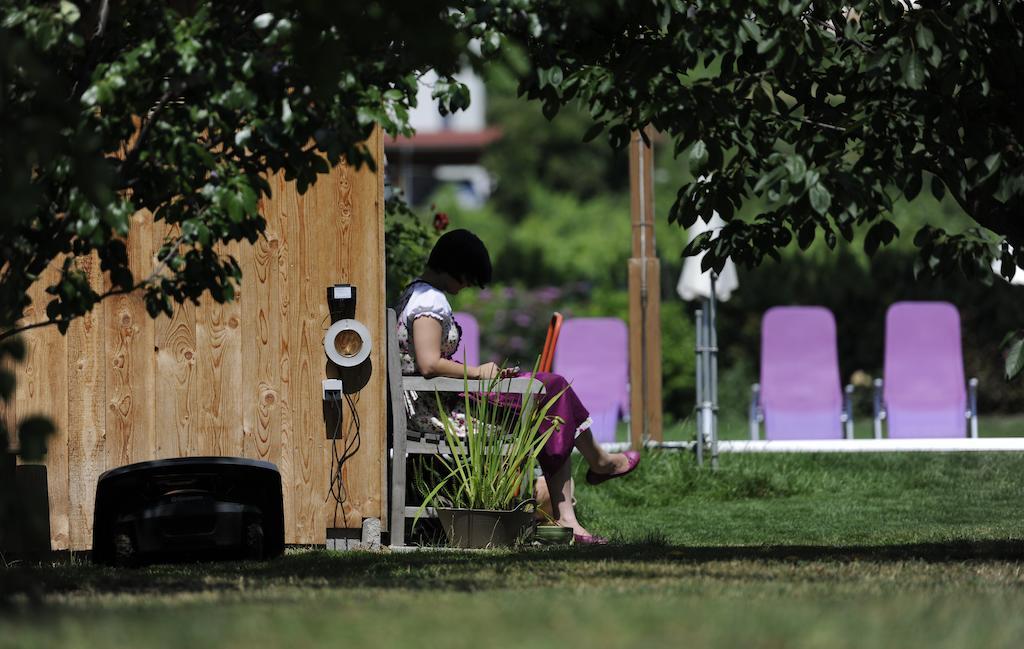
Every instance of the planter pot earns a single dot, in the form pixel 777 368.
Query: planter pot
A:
pixel 487 528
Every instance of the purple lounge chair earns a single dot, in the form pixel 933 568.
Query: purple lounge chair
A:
pixel 924 393
pixel 468 351
pixel 799 395
pixel 593 355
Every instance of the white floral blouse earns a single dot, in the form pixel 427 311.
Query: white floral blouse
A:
pixel 420 300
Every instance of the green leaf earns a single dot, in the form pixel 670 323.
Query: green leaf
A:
pixel 69 13
pixel 913 70
pixel 1007 267
pixel 698 156
pixel 938 188
pixel 796 167
pixel 752 29
pixel 925 235
pixel 555 75
pixel 262 21
pixel 924 37
pixel 1015 358
pixel 913 186
pixel 762 101
pixel 880 233
pixel 593 131
pixel 877 59
pixel 805 236
pixel 820 199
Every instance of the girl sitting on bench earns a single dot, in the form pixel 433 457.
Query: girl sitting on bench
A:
pixel 428 336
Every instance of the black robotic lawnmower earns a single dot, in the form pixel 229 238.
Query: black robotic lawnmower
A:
pixel 188 509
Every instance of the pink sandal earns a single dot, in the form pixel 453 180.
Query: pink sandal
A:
pixel 589 539
pixel 597 478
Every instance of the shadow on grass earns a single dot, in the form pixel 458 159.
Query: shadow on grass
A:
pixel 456 571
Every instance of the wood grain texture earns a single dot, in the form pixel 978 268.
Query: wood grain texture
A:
pixel 303 324
pixel 645 370
pixel 218 351
pixel 342 509
pixel 86 412
pixel 176 386
pixel 365 473
pixel 9 407
pixel 280 210
pixel 43 390
pixel 236 379
pixel 129 369
pixel 231 441
pixel 261 332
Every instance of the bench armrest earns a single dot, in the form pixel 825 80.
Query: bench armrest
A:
pixel 521 385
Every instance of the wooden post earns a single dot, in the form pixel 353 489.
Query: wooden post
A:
pixel 644 299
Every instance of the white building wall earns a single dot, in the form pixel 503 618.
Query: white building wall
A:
pixel 425 118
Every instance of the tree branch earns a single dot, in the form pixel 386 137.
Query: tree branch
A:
pixel 157 270
pixel 101 24
pixel 52 321
pixel 136 149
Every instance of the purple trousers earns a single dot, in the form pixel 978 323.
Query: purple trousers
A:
pixel 568 408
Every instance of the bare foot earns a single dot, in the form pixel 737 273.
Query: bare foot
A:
pixel 616 463
pixel 577 529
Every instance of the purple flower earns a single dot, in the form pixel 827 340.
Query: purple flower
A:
pixel 516 343
pixel 509 292
pixel 549 294
pixel 484 295
pixel 522 319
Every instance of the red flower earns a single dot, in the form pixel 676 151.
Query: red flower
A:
pixel 440 221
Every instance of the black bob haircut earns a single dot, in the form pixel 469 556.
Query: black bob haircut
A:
pixel 462 254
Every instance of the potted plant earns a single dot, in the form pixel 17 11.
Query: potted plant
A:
pixel 483 491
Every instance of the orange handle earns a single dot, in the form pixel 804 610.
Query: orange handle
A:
pixel 547 357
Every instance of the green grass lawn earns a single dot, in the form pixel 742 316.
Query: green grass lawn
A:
pixel 771 551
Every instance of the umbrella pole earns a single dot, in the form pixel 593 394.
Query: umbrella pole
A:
pixel 705 382
pixel 713 378
pixel 699 405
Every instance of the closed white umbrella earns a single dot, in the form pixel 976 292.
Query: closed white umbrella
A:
pixel 695 283
pixel 1018 272
pixel 707 286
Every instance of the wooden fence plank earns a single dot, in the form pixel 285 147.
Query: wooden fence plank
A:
pixel 367 483
pixel 304 324
pixel 42 390
pixel 232 438
pixel 130 364
pixel 334 196
pixel 218 348
pixel 9 408
pixel 86 413
pixel 176 386
pixel 282 209
pixel 348 241
pixel 261 336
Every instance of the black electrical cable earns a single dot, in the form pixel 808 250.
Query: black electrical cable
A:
pixel 352 443
pixel 335 472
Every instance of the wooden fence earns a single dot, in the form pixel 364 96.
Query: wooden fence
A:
pixel 238 379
